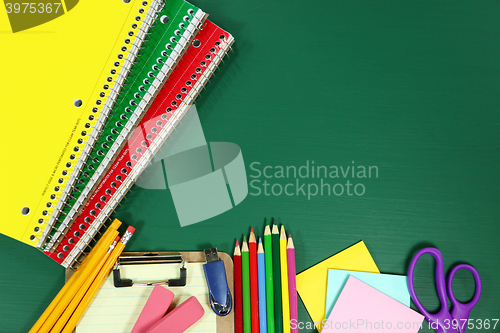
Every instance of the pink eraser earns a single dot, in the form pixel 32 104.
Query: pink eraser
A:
pixel 155 308
pixel 181 318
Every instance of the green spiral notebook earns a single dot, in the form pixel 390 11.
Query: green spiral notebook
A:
pixel 175 25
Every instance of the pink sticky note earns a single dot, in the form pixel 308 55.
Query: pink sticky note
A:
pixel 156 307
pixel 181 318
pixel 361 308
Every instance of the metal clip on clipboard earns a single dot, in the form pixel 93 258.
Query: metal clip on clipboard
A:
pixel 150 258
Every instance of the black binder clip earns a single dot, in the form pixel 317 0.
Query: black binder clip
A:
pixel 150 258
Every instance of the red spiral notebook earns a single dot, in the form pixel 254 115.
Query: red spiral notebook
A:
pixel 188 79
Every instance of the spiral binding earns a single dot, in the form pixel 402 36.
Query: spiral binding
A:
pixel 142 151
pixel 87 140
pixel 93 175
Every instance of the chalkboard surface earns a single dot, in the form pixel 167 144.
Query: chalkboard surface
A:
pixel 393 105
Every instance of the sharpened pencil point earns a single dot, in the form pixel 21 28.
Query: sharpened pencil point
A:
pixel 244 247
pixel 237 251
pixel 244 238
pixel 260 248
pixel 282 233
pixel 267 230
pixel 237 243
pixel 252 239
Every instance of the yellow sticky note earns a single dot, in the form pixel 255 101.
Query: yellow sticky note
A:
pixel 312 283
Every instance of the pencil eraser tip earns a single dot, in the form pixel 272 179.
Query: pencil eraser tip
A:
pixel 117 239
pixel 131 229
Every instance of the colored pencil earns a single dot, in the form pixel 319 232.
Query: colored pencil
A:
pixel 284 282
pixel 278 314
pixel 254 282
pixel 292 284
pixel 261 263
pixel 268 247
pixel 238 291
pixel 245 279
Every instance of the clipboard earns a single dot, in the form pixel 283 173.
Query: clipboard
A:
pixel 97 309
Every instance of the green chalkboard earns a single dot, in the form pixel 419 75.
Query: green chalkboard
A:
pixel 408 90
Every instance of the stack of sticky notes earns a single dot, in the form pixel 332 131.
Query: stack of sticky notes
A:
pixel 347 292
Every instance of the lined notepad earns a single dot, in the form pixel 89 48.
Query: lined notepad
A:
pixel 115 310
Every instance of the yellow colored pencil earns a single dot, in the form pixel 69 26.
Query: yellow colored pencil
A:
pixel 284 282
pixel 98 250
pixel 68 312
pixel 98 281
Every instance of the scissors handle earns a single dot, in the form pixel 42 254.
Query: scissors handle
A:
pixel 462 310
pixel 443 313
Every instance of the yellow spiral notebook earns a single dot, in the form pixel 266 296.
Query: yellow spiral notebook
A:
pixel 53 105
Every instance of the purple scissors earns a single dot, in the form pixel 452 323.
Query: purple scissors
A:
pixel 444 321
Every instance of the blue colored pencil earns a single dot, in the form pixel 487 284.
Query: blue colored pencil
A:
pixel 261 268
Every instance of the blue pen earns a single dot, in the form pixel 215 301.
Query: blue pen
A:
pixel 261 268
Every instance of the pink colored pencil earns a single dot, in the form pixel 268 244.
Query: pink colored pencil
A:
pixel 254 282
pixel 292 283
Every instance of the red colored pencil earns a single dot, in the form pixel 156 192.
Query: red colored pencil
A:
pixel 254 282
pixel 238 291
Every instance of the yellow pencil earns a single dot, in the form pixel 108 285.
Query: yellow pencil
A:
pixel 75 285
pixel 284 282
pixel 98 281
pixel 98 250
pixel 61 322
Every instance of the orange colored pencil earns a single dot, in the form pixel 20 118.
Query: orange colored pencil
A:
pixel 254 282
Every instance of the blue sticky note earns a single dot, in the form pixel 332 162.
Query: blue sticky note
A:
pixel 394 286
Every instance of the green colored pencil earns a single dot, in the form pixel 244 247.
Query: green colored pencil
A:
pixel 268 247
pixel 278 315
pixel 245 277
